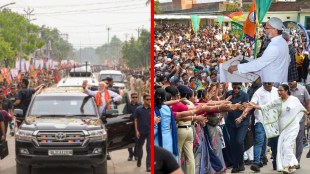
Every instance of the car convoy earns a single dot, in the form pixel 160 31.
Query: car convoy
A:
pixel 63 127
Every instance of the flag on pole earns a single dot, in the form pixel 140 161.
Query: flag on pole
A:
pixel 32 68
pixel 236 30
pixel 220 18
pixel 195 23
pixel 25 67
pixel 236 15
pixel 262 8
pixel 249 26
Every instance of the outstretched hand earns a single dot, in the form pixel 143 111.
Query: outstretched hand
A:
pixel 84 84
pixel 201 118
pixel 184 101
pixel 232 68
pixel 252 105
pixel 228 98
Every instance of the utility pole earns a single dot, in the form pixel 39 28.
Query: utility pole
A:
pixel 139 29
pixel 28 12
pixel 20 54
pixel 138 32
pixel 80 53
pixel 126 35
pixel 108 34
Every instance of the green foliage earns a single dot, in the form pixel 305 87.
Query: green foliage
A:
pixel 111 51
pixel 136 53
pixel 232 7
pixel 6 51
pixel 156 7
pixel 246 8
pixel 16 32
pixel 60 48
pixel 15 29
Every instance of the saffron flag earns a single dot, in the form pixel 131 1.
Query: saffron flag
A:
pixel 236 15
pixel 249 26
pixel 25 67
pixel 32 68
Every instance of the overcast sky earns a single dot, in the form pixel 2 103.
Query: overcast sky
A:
pixel 86 21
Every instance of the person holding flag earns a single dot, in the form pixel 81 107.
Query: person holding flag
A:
pixel 272 66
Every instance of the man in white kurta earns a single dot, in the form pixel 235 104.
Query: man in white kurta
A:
pixel 272 66
pixel 114 97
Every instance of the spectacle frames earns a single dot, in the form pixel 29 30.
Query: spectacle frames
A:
pixel 267 83
pixel 237 88
pixel 267 28
pixel 134 97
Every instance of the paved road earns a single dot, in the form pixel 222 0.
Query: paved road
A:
pixel 118 164
pixel 305 166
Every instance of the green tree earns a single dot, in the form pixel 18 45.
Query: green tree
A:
pixel 156 7
pixel 111 51
pixel 60 48
pixel 17 31
pixel 136 53
pixel 6 51
pixel 232 7
pixel 18 34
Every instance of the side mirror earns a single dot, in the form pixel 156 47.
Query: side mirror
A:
pixel 18 112
pixel 111 113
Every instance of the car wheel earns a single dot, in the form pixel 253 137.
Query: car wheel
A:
pixel 20 169
pixel 102 168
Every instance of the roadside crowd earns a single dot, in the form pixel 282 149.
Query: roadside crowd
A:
pixel 230 125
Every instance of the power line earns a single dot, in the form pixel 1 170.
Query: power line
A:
pixel 83 5
pixel 89 10
pixel 105 24
pixel 102 31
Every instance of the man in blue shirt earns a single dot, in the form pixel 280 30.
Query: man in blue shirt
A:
pixel 237 131
pixel 130 109
pixel 142 118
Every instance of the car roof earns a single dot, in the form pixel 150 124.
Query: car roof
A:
pixel 110 72
pixel 70 91
pixel 81 69
pixel 77 81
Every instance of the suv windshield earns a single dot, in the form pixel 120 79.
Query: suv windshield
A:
pixel 115 77
pixel 62 106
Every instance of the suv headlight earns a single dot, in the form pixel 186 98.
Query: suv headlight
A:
pixel 25 135
pixel 96 135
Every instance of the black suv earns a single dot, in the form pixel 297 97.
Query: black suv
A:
pixel 62 127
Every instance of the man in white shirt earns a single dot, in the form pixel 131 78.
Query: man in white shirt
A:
pixel 272 66
pixel 262 96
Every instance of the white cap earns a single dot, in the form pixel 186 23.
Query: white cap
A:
pixel 276 23
pixel 306 52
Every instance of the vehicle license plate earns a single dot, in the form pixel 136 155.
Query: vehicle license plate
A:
pixel 60 152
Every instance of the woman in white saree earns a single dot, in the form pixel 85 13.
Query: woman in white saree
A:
pixel 281 117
